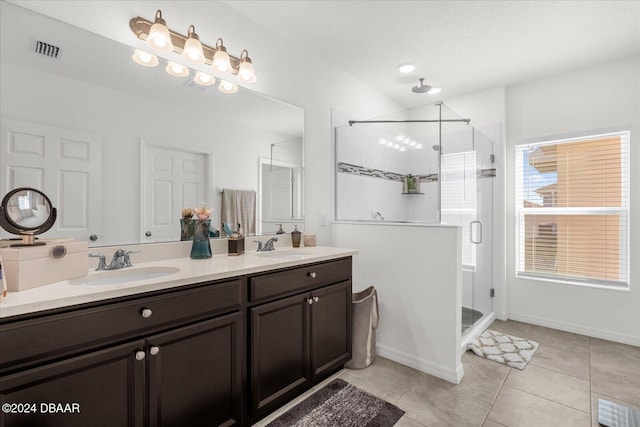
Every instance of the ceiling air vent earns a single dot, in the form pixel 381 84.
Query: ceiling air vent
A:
pixel 47 49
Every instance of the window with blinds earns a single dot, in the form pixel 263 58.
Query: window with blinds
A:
pixel 572 207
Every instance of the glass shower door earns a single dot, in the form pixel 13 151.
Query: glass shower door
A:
pixel 467 200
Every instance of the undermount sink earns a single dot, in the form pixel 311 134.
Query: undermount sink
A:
pixel 286 254
pixel 123 275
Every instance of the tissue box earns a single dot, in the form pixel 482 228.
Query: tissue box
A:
pixel 236 246
pixel 32 266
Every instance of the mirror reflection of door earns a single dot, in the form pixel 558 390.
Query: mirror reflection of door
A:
pixel 65 164
pixel 172 179
pixel 278 191
pixel 279 195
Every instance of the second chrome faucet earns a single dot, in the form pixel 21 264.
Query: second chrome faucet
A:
pixel 119 260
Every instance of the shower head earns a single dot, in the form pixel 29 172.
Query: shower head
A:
pixel 421 87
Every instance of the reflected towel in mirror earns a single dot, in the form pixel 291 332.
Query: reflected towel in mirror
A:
pixel 239 207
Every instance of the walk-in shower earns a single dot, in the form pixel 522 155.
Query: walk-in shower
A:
pixel 426 165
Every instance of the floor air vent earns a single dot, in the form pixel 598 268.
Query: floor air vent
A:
pixel 47 49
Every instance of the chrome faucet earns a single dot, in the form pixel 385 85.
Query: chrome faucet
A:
pixel 119 260
pixel 268 245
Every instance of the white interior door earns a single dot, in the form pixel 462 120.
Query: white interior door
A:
pixel 63 163
pixel 172 179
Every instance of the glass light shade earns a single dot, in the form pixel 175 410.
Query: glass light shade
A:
pixel 145 58
pixel 204 79
pixel 159 37
pixel 227 87
pixel 221 62
pixel 246 73
pixel 193 49
pixel 434 90
pixel 177 70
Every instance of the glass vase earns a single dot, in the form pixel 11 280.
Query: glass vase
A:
pixel 186 229
pixel 201 248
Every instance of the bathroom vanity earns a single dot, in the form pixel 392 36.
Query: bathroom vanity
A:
pixel 220 342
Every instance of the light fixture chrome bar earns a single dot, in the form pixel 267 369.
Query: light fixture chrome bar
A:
pixel 141 28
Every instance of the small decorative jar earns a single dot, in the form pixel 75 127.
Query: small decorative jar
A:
pixel 186 229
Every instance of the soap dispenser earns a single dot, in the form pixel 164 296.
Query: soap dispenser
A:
pixel 295 237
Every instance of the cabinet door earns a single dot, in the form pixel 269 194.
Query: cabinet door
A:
pixel 331 327
pixel 103 388
pixel 279 351
pixel 195 374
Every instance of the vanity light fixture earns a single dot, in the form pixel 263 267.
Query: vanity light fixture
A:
pixel 158 37
pixel 176 69
pixel 221 61
pixel 194 50
pixel 204 79
pixel 246 72
pixel 145 58
pixel 227 87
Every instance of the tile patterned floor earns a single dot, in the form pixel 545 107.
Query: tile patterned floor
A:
pixel 559 388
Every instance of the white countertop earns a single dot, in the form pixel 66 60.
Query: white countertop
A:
pixel 63 294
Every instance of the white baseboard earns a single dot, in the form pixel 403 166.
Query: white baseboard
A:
pixel 451 375
pixel 578 329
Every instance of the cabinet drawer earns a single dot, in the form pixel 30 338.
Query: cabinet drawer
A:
pixel 25 342
pixel 282 283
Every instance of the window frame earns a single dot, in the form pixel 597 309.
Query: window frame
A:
pixel 623 212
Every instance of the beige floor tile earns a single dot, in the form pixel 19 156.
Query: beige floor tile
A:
pixel 491 423
pixel 515 408
pixel 551 385
pixel 434 404
pixel 555 338
pixel 594 406
pixel 570 360
pixel 482 378
pixel 385 379
pixel 615 370
pixel 405 421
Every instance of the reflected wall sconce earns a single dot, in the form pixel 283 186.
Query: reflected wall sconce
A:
pixel 159 37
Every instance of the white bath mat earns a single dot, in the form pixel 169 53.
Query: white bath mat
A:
pixel 507 349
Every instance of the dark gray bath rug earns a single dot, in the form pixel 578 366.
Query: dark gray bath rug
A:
pixel 340 404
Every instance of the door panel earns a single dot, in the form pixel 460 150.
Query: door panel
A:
pixel 63 163
pixel 195 374
pixel 279 351
pixel 104 387
pixel 331 320
pixel 173 179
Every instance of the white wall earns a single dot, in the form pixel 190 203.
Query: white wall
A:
pixel 417 272
pixel 588 100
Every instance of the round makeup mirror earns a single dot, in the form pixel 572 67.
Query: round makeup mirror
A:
pixel 27 212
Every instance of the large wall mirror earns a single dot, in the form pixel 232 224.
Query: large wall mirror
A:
pixel 93 130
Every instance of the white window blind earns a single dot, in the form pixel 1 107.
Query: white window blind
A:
pixel 459 198
pixel 572 207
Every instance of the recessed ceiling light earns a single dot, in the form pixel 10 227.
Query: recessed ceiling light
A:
pixel 407 67
pixel 434 90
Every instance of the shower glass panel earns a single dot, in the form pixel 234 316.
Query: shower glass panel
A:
pixel 424 165
pixel 467 201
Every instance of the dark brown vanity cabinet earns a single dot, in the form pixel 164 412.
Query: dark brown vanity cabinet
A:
pixel 168 360
pixel 300 329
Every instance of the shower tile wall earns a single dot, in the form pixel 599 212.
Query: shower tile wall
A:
pixel 360 196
